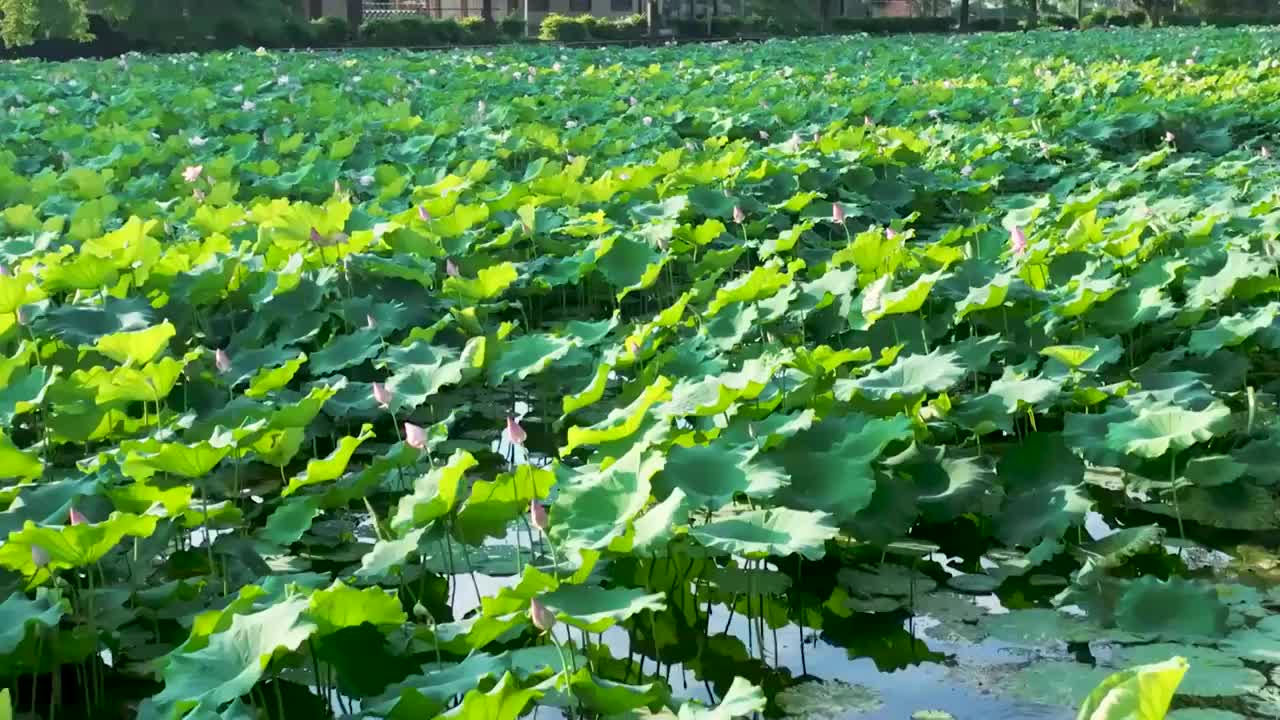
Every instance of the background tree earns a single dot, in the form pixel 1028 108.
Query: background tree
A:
pixel 157 21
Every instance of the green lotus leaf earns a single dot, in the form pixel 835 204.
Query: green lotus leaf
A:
pixel 608 697
pixel 71 546
pixel 1139 693
pixel 1060 683
pixel 526 355
pixel 590 394
pixel 1208 289
pixel 1038 626
pixel 6 705
pixel 595 504
pixel 816 698
pixel 291 520
pixel 909 376
pixel 886 579
pixel 830 465
pixel 234 659
pixel 44 503
pixel 1115 549
pixel 1172 608
pixel 659 524
pixel 762 282
pixel 332 466
pixel 138 347
pixel 344 351
pixel 340 606
pixel 1044 488
pixel 1239 505
pixel 1261 643
pixel 195 460
pixel 712 475
pixel 712 395
pixel 387 554
pixel 1017 392
pixel 1213 470
pixel 1211 673
pixel 596 609
pixel 1231 330
pixel 18 616
pixel 779 531
pixel 431 691
pixel 270 379
pixel 1163 428
pixel 1203 714
pixel 909 299
pixel 506 701
pixel 17 463
pixel 434 494
pixel 1073 356
pixel 25 392
pixel 488 283
pixel 421 370
pixel 492 505
pixel 621 422
pixel 741 700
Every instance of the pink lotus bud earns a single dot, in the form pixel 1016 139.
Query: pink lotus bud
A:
pixel 192 173
pixel 415 436
pixel 6 272
pixel 221 360
pixel 451 268
pixel 764 134
pixel 739 216
pixel 867 122
pixel 77 518
pixel 1264 152
pixel 198 194
pixel 967 170
pixel 1017 240
pixel 316 237
pixel 648 121
pixel 633 101
pixel 515 434
pixel 381 395
pixel 837 213
pixel 890 233
pixel 633 347
pixel 1169 136
pixel 41 558
pixel 538 515
pixel 543 619
pixel 423 215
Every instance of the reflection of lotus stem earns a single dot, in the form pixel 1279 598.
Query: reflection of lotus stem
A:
pixel 377 526
pixel 466 558
pixel 1177 509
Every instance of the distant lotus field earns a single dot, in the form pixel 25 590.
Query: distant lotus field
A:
pixel 917 377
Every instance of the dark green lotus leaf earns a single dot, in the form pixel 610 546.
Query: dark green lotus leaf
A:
pixel 712 475
pixel 596 503
pixel 435 687
pixel 1174 608
pixel 909 376
pixel 1044 488
pixel 596 609
pixel 18 616
pixel 1212 673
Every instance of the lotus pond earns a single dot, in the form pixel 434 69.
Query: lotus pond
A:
pixel 894 378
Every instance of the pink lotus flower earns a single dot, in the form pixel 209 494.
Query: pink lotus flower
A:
pixel 890 234
pixel 633 347
pixel 221 360
pixel 423 215
pixel 739 216
pixel 515 434
pixel 1169 137
pixel 198 194
pixel 381 395
pixel 451 268
pixel 192 173
pixel 77 518
pixel 41 558
pixel 538 515
pixel 542 617
pixel 317 238
pixel 415 436
pixel 1017 240
pixel 837 213
pixel 648 121
pixel 764 134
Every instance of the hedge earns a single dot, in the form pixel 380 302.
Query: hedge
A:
pixel 893 25
pixel 585 28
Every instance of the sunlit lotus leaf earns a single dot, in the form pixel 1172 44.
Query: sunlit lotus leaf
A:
pixel 741 700
pixel 71 546
pixel 590 394
pixel 494 504
pixel 763 281
pixel 436 687
pixel 909 376
pixel 275 378
pixel 1017 392
pixel 597 609
pixel 235 658
pixel 621 422
pixel 1072 356
pixel 340 606
pixel 712 395
pixel 1173 608
pixel 506 701
pixel 138 347
pixel 659 524
pixel 488 283
pixel 434 494
pixel 331 467
pixel 779 531
pixel 387 554
pixel 16 463
pixel 1161 429
pixel 1138 693
pixel 596 504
